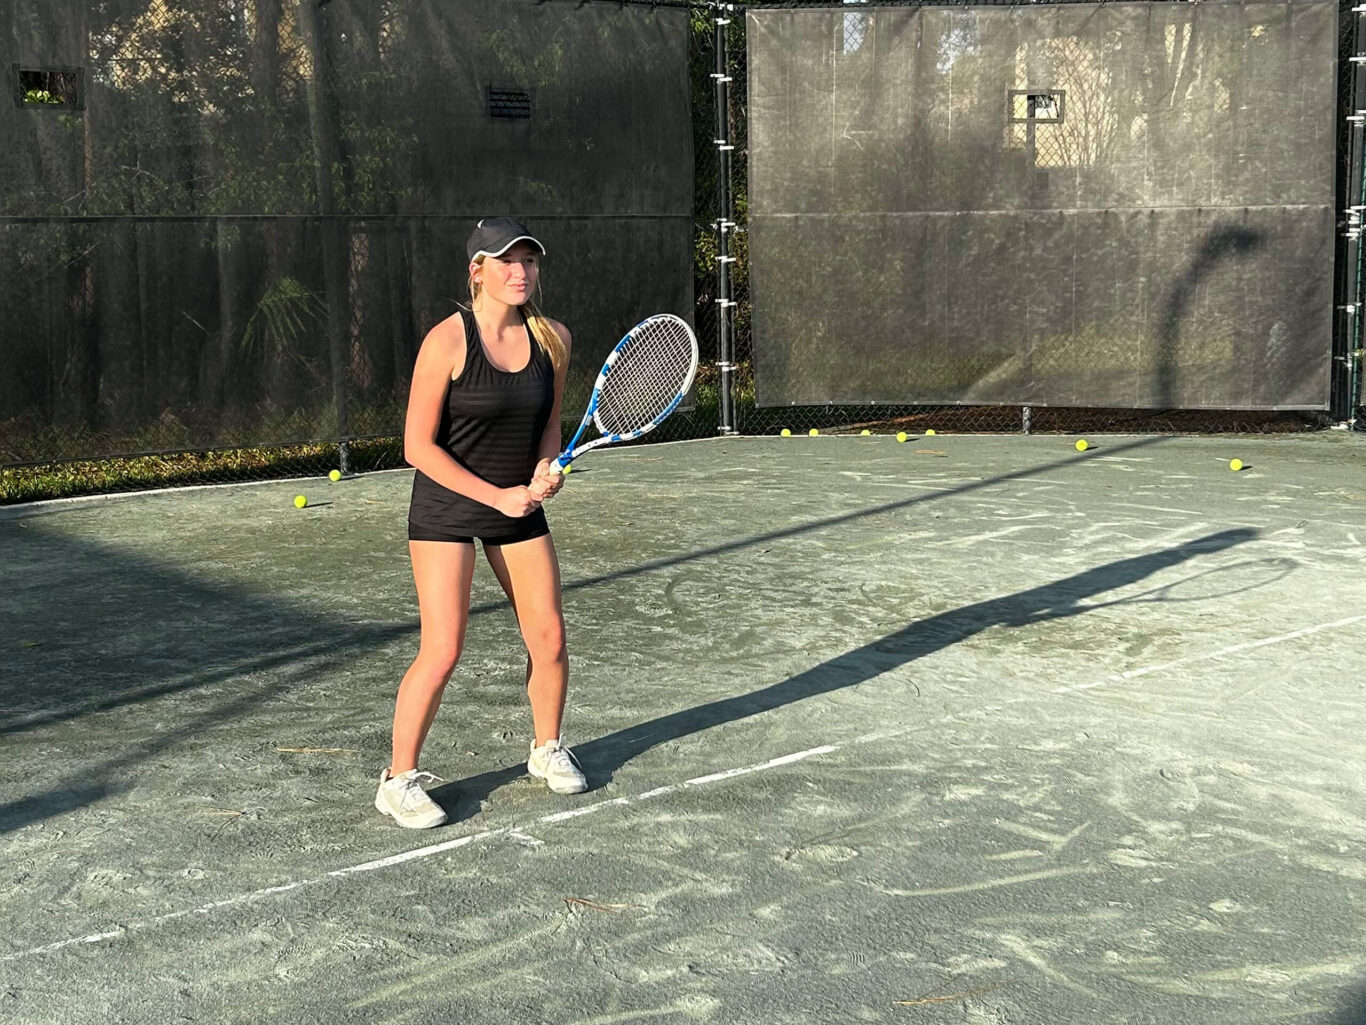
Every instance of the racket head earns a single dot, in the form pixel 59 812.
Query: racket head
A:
pixel 645 376
pixel 1214 583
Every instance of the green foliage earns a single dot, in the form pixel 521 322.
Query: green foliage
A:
pixel 707 172
pixel 284 313
pixel 545 68
pixel 259 426
pixel 42 96
pixel 64 480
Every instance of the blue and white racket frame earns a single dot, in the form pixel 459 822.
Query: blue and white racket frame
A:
pixel 573 450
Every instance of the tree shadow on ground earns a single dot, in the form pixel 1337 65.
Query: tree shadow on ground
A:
pixel 89 628
pixel 109 629
pixel 1353 1010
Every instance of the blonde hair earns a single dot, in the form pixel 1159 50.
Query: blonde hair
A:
pixel 546 336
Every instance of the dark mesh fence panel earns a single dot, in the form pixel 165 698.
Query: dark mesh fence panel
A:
pixel 241 233
pixel 1078 205
pixel 230 222
pixel 165 334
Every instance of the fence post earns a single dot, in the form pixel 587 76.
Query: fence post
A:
pixel 724 225
pixel 334 236
pixel 1346 391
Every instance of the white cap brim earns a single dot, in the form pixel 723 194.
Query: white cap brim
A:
pixel 520 238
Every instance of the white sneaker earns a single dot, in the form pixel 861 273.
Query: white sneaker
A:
pixel 403 798
pixel 556 764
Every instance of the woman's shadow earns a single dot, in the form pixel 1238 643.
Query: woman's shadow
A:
pixel 602 757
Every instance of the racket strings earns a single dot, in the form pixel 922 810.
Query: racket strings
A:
pixel 653 368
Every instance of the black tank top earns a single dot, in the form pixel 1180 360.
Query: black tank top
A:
pixel 491 424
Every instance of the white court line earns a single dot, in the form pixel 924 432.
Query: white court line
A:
pixel 413 855
pixel 516 832
pixel 1134 674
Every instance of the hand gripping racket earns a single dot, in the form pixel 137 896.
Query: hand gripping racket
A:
pixel 642 382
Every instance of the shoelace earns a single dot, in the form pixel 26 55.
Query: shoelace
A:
pixel 562 761
pixel 412 783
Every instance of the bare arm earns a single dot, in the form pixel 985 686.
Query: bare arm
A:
pixel 441 357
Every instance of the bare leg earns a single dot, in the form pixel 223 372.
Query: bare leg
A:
pixel 442 572
pixel 530 574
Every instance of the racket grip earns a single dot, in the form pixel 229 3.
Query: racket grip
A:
pixel 558 464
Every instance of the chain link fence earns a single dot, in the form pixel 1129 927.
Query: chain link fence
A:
pixel 1047 141
pixel 226 225
pixel 206 235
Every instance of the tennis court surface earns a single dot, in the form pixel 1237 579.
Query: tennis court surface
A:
pixel 965 729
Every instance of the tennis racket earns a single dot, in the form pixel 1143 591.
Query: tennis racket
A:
pixel 642 382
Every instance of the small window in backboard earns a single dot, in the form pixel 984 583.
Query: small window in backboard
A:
pixel 854 30
pixel 509 104
pixel 1041 106
pixel 50 88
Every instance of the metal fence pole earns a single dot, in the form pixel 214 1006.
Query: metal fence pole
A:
pixel 724 224
pixel 335 236
pixel 1345 385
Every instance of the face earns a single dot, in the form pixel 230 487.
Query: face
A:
pixel 510 278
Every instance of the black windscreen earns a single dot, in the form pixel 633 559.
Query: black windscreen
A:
pixel 242 232
pixel 1108 205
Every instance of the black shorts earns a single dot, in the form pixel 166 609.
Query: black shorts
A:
pixel 531 526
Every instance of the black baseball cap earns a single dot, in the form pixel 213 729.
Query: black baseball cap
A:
pixel 494 236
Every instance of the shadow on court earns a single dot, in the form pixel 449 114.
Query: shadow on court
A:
pixel 110 630
pixel 1353 1010
pixel 105 629
pixel 144 630
pixel 101 630
pixel 602 757
pixel 1222 243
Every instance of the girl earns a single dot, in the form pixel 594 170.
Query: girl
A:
pixel 483 425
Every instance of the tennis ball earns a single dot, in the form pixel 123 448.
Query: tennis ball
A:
pixel 300 501
pixel 786 433
pixel 568 469
pixel 930 431
pixel 335 475
pixel 1082 445
pixel 1235 465
pixel 900 435
pixel 865 433
pixel 813 432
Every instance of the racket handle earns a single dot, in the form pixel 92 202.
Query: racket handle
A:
pixel 558 464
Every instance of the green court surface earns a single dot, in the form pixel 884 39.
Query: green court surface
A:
pixel 962 729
